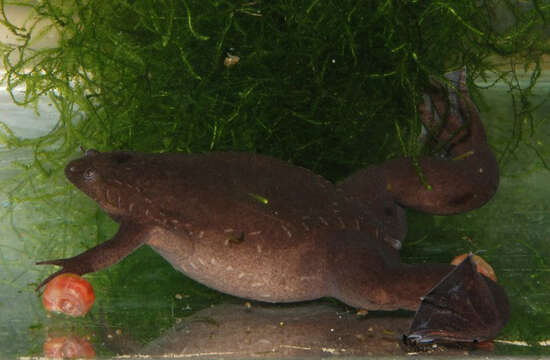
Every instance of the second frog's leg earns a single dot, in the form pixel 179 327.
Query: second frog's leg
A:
pixel 466 175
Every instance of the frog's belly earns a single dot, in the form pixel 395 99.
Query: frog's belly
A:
pixel 254 268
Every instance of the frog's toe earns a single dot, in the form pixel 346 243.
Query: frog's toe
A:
pixel 58 262
pixel 444 112
pixel 68 266
pixel 48 279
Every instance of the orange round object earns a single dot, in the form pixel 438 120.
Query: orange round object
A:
pixel 482 266
pixel 69 294
pixel 68 347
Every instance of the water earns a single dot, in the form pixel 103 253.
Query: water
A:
pixel 143 302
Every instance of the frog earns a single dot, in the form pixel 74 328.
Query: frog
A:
pixel 260 228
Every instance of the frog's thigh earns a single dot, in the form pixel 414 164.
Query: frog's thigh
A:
pixel 174 247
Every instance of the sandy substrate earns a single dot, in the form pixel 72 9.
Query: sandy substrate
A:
pixel 316 330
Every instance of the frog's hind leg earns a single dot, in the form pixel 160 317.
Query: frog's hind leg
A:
pixel 466 175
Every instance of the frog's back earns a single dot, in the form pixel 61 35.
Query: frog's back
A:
pixel 230 190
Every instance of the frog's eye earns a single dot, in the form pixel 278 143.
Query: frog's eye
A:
pixel 89 174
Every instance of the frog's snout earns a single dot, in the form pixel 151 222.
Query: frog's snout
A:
pixel 70 170
pixel 73 171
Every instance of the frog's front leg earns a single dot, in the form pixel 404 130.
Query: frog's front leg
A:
pixel 129 237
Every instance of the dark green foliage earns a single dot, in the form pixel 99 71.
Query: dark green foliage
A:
pixel 323 84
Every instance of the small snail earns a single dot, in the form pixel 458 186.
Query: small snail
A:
pixel 231 60
pixel 481 265
pixel 69 294
pixel 68 347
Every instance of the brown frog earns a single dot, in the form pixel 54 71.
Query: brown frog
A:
pixel 259 228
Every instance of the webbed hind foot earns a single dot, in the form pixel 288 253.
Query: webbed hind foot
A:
pixel 451 122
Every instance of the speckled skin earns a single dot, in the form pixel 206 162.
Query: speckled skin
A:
pixel 260 228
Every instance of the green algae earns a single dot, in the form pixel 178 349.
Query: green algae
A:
pixel 317 83
pixel 333 86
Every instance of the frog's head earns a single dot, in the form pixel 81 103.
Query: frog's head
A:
pixel 98 176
